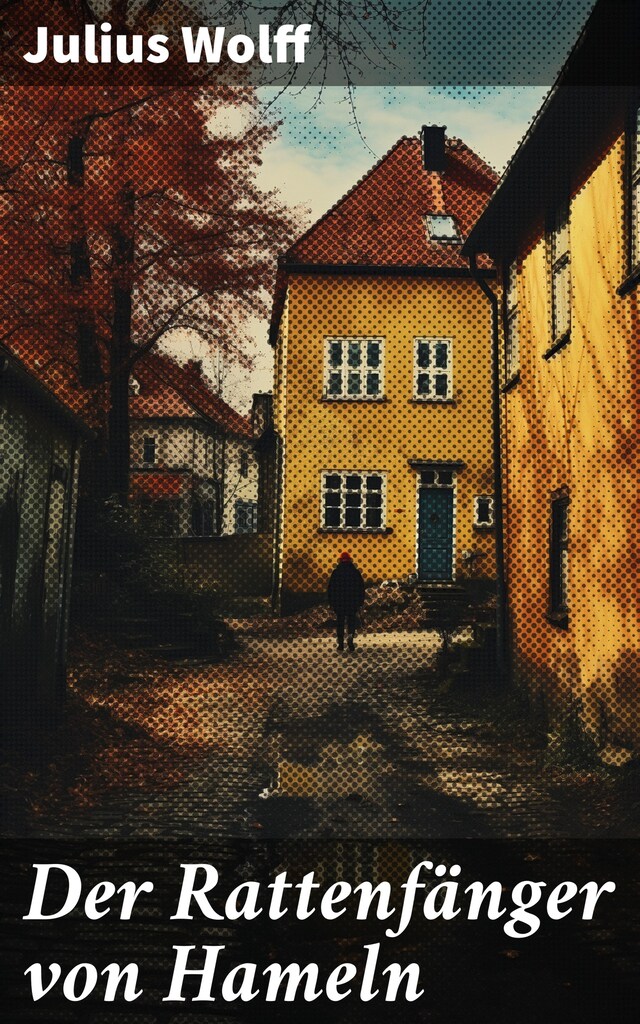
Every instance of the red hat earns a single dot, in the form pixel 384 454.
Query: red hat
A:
pixel 345 557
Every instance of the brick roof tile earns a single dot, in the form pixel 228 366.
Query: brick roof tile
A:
pixel 157 484
pixel 380 221
pixel 170 389
pixel 53 364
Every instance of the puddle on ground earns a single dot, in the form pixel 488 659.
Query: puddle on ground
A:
pixel 342 769
pixel 485 789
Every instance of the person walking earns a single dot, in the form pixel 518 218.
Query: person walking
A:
pixel 346 595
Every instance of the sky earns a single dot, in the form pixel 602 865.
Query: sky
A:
pixel 327 142
pixel 323 130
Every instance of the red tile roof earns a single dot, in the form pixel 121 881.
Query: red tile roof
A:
pixel 53 365
pixel 169 389
pixel 155 396
pixel 380 221
pixel 156 485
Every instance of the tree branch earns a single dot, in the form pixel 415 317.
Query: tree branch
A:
pixel 141 350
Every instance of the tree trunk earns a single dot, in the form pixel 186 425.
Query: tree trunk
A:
pixel 119 438
pixel 80 260
pixel 122 254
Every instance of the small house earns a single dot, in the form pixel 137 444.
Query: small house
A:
pixel 45 415
pixel 564 228
pixel 193 461
pixel 382 401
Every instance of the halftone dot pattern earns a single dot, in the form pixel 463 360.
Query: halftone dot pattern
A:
pixel 419 415
pixel 359 43
pixel 173 733
pixel 569 427
pixel 353 744
pixel 381 220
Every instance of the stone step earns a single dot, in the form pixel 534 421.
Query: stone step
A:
pixel 441 598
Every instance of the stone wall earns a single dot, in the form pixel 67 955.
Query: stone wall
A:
pixel 238 565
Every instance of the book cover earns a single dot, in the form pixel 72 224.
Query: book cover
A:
pixel 319 629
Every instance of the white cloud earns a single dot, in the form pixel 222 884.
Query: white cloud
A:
pixel 322 151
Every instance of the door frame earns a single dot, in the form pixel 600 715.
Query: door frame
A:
pixel 454 467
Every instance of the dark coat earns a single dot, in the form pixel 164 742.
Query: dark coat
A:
pixel 346 588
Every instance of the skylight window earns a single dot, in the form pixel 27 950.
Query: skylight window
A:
pixel 442 228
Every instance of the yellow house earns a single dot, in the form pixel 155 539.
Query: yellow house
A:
pixel 383 392
pixel 564 224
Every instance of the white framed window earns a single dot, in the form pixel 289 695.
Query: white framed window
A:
pixel 149 449
pixel 441 228
pixel 511 323
pixel 560 258
pixel 353 500
pixel 437 478
pixel 483 511
pixel 354 368
pixel 634 193
pixel 245 517
pixel 433 369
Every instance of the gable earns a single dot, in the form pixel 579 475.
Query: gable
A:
pixel 381 220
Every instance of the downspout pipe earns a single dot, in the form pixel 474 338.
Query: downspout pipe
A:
pixel 502 661
pixel 276 590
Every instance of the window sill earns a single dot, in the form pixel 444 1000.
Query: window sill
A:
pixel 558 619
pixel 355 399
pixel 433 401
pixel 511 383
pixel 485 527
pixel 630 282
pixel 384 530
pixel 557 346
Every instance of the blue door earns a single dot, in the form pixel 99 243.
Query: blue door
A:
pixel 435 534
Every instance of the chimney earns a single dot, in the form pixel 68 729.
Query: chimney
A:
pixel 433 152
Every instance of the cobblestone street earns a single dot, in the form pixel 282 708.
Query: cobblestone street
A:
pixel 350 765
pixel 292 738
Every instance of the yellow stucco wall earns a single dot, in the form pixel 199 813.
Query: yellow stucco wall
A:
pixel 322 435
pixel 573 421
